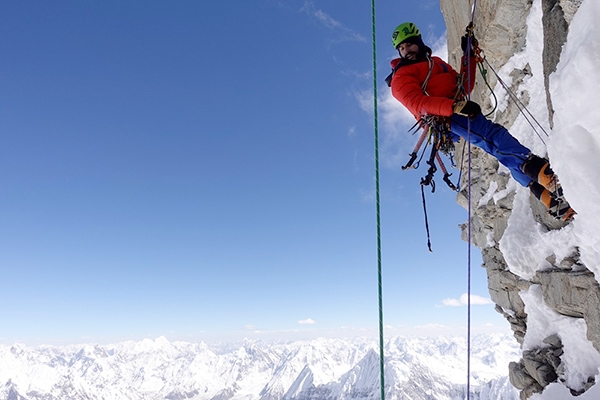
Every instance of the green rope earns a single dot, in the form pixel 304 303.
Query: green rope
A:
pixel 379 275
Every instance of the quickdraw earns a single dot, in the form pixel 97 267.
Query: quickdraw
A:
pixel 475 49
pixel 436 131
pixel 471 49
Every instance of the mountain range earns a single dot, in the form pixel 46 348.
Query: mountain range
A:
pixel 415 368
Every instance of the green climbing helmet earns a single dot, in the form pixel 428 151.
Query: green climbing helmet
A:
pixel 403 32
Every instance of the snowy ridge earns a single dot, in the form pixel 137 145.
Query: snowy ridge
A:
pixel 318 369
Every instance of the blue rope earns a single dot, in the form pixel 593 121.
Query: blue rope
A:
pixel 468 53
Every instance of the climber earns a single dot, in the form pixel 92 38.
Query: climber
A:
pixel 427 86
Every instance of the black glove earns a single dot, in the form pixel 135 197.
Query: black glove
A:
pixel 467 108
pixel 465 40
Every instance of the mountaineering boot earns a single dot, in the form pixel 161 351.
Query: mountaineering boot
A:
pixel 546 188
pixel 557 206
pixel 538 169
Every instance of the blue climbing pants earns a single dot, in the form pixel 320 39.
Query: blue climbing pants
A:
pixel 494 139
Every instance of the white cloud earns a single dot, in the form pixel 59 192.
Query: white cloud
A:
pixel 326 19
pixel 439 47
pixel 352 131
pixel 451 303
pixel 463 300
pixel 394 123
pixel 432 326
pixel 308 321
pixel 251 328
pixel 331 23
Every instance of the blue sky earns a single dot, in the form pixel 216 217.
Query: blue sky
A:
pixel 204 171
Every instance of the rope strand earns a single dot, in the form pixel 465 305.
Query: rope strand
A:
pixel 468 53
pixel 379 269
pixel 522 108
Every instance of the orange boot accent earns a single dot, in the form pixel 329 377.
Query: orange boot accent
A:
pixel 548 179
pixel 546 198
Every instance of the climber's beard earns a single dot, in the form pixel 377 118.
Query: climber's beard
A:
pixel 411 56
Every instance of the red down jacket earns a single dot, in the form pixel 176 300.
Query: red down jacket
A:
pixel 441 87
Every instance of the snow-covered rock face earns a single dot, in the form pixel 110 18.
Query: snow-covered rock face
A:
pixel 542 275
pixel 311 370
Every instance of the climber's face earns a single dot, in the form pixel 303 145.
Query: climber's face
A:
pixel 408 50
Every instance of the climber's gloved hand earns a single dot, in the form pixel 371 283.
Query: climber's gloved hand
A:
pixel 467 108
pixel 464 41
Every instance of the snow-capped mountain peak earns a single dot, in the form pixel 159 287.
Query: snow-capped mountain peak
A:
pixel 317 369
